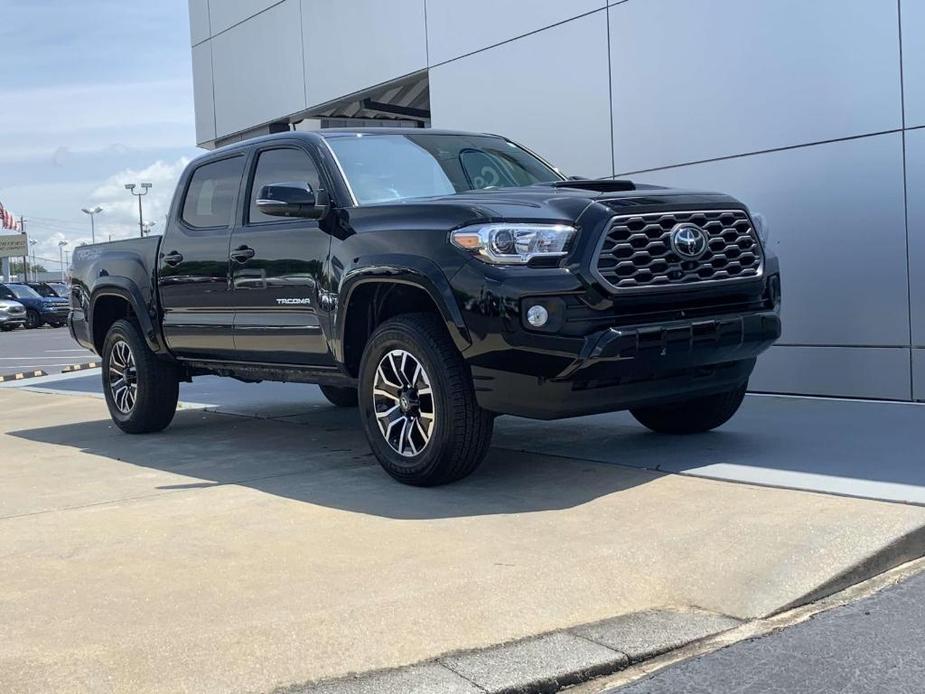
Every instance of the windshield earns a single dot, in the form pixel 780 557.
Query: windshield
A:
pixel 23 292
pixel 384 168
pixel 43 290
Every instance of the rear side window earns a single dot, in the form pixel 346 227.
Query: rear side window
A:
pixel 281 166
pixel 210 196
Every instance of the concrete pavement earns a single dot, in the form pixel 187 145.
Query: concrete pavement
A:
pixel 232 553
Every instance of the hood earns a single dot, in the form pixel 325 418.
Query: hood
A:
pixel 7 304
pixel 561 201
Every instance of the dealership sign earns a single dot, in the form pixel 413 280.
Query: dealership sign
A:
pixel 13 245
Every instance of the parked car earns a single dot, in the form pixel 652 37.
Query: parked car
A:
pixel 437 279
pixel 39 309
pixel 12 314
pixel 49 289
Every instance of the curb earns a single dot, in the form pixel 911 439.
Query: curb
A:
pixel 539 664
pixel 80 367
pixel 22 375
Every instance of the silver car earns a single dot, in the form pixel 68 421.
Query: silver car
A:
pixel 12 314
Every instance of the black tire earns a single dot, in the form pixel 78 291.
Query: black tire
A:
pixel 460 432
pixel 340 397
pixel 157 382
pixel 692 416
pixel 33 319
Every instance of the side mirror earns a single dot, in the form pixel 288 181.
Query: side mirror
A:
pixel 292 200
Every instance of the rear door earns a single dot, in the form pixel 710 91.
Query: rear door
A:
pixel 193 275
pixel 277 267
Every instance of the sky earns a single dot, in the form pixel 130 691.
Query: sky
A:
pixel 94 94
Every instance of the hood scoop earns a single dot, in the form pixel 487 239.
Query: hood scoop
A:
pixel 597 185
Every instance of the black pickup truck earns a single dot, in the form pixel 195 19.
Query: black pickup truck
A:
pixel 435 280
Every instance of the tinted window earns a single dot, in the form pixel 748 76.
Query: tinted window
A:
pixel 281 166
pixel 381 168
pixel 6 293
pixel 211 192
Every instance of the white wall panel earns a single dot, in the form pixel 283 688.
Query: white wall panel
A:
pixel 529 93
pixel 913 22
pixel 202 92
pixel 915 200
pixel 838 371
pixel 695 80
pixel 258 72
pixel 199 21
pixel 837 223
pixel 227 13
pixel 374 42
pixel 455 28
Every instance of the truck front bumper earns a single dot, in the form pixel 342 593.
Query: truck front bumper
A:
pixel 626 367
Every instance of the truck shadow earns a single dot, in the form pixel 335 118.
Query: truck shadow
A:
pixel 326 462
pixel 315 453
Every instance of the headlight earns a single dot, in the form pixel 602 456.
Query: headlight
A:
pixel 761 227
pixel 514 244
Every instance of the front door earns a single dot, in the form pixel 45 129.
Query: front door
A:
pixel 193 277
pixel 277 265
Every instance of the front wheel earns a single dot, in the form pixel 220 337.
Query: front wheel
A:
pixel 418 405
pixel 33 319
pixel 692 416
pixel 141 391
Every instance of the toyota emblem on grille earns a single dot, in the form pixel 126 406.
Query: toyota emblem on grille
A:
pixel 689 241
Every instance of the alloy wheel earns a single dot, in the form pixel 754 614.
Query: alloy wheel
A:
pixel 403 402
pixel 123 377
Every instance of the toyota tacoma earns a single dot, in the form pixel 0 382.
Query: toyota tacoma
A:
pixel 433 280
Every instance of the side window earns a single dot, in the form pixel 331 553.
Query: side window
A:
pixel 210 196
pixel 6 293
pixel 281 166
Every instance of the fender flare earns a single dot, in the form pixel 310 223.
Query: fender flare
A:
pixel 413 271
pixel 128 291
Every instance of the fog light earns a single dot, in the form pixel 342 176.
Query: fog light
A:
pixel 537 316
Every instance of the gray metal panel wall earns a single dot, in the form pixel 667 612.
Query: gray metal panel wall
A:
pixel 918 374
pixel 531 93
pixel 455 28
pixel 913 34
pixel 876 372
pixel 348 51
pixel 730 77
pixel 915 201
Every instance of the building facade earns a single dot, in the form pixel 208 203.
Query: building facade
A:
pixel 811 112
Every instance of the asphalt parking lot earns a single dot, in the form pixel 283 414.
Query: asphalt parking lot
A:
pixel 256 544
pixel 46 348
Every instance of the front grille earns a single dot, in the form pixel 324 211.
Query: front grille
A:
pixel 636 250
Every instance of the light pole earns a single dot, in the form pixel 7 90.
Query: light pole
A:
pixel 61 245
pixel 34 243
pixel 130 187
pixel 148 227
pixel 94 211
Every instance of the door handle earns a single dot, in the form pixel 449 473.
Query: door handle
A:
pixel 242 254
pixel 173 258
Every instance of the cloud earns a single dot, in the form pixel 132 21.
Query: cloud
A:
pixel 119 218
pixel 120 210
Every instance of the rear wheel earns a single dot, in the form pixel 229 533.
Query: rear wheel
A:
pixel 418 405
pixel 692 416
pixel 141 391
pixel 340 397
pixel 33 319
